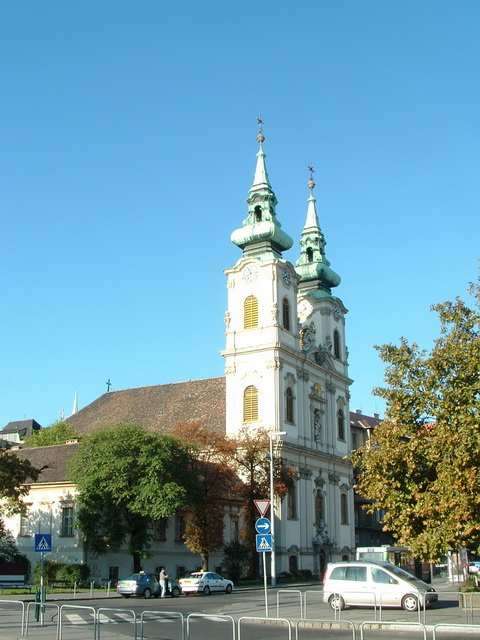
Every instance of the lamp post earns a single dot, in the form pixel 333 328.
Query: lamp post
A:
pixel 274 434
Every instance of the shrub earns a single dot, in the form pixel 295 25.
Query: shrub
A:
pixel 235 562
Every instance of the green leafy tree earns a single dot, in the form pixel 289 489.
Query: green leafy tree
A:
pixel 212 462
pixel 10 554
pixel 422 465
pixel 235 562
pixel 15 473
pixel 57 433
pixel 128 478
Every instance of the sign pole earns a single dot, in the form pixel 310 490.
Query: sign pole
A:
pixel 42 572
pixel 265 583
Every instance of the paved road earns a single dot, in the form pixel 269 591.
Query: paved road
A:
pixel 115 616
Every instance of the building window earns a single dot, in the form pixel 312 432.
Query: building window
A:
pixel 113 574
pixel 340 425
pixel 250 313
pixel 289 415
pixel 160 529
pixel 319 511
pixel 292 503
pixel 344 508
pixel 179 527
pixel 309 254
pixel 336 344
pixel 286 314
pixel 67 522
pixel 24 525
pixel 258 213
pixel 250 404
pixel 234 529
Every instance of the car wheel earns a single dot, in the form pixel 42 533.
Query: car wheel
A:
pixel 147 593
pixel 410 603
pixel 336 602
pixel 175 592
pixel 228 588
pixel 206 590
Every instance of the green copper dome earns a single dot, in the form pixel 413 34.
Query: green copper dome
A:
pixel 261 235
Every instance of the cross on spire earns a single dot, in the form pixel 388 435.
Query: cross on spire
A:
pixel 109 384
pixel 260 125
pixel 311 170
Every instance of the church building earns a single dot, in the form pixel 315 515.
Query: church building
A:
pixel 286 370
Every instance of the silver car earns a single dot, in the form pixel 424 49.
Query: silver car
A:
pixel 146 585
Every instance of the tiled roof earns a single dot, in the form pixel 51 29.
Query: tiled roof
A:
pixel 55 459
pixel 159 407
pixel 363 422
pixel 19 425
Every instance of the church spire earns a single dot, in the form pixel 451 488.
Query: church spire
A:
pixel 261 235
pixel 312 266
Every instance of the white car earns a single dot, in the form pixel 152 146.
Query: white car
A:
pixel 205 582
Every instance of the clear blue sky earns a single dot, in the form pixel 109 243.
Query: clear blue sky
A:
pixel 127 151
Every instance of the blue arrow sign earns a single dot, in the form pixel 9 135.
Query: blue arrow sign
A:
pixel 43 542
pixel 263 525
pixel 264 542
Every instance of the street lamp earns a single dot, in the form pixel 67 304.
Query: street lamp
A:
pixel 274 434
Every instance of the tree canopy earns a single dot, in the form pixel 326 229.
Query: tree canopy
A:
pixel 422 464
pixel 57 433
pixel 15 472
pixel 127 479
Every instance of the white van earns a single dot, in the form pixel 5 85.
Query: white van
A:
pixel 374 583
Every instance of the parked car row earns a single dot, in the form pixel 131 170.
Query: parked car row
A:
pixel 147 585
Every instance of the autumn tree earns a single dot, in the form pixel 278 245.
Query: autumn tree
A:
pixel 422 465
pixel 212 463
pixel 252 462
pixel 127 478
pixel 57 433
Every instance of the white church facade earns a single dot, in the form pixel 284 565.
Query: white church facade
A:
pixel 286 370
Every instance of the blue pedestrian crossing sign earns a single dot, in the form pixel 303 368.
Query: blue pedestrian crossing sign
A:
pixel 264 542
pixel 43 542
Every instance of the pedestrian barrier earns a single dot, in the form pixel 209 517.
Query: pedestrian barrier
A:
pixel 43 606
pixel 375 625
pixel 163 616
pixel 289 591
pixel 305 599
pixel 129 613
pixel 67 608
pixel 211 617
pixel 344 624
pixel 266 621
pixel 21 604
pixel 455 628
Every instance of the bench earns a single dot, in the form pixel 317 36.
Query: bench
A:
pixel 14 583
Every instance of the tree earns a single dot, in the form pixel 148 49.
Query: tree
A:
pixel 235 562
pixel 212 453
pixel 253 468
pixel 57 433
pixel 422 465
pixel 128 478
pixel 15 473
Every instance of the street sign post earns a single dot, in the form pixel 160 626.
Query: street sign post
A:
pixel 43 544
pixel 263 525
pixel 262 506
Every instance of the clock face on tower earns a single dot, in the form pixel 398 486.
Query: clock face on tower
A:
pixel 250 272
pixel 304 309
pixel 336 311
pixel 286 276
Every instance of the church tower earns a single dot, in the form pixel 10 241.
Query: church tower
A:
pixel 286 370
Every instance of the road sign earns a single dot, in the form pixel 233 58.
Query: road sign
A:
pixel 43 542
pixel 263 525
pixel 262 506
pixel 264 542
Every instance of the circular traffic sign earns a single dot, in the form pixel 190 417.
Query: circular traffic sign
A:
pixel 263 525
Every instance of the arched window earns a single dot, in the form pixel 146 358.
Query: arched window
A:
pixel 292 502
pixel 319 508
pixel 258 214
pixel 310 254
pixel 250 313
pixel 289 414
pixel 250 404
pixel 336 344
pixel 286 314
pixel 340 425
pixel 344 508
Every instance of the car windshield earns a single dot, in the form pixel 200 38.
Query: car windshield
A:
pixel 196 575
pixel 136 576
pixel 401 573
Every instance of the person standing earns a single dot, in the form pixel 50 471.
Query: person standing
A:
pixel 163 582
